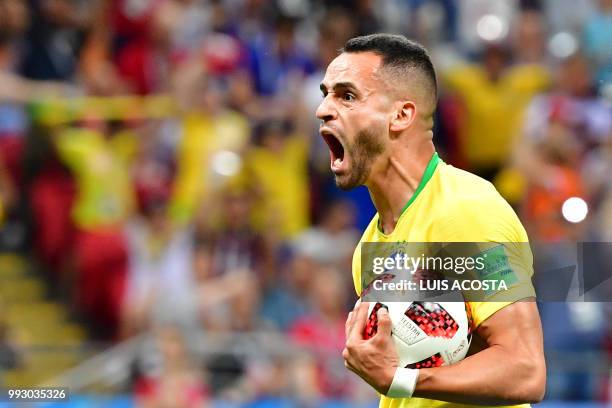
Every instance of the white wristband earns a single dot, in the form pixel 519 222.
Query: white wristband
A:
pixel 404 383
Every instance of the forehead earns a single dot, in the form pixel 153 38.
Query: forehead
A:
pixel 361 69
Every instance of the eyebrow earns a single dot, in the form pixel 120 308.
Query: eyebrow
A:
pixel 339 85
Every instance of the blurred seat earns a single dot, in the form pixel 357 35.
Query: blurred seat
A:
pixel 48 341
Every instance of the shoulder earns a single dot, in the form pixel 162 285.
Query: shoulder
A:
pixel 461 76
pixel 72 143
pixel 529 77
pixel 474 211
pixel 461 190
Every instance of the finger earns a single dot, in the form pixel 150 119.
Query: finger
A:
pixel 384 323
pixel 348 324
pixel 359 322
pixel 350 367
pixel 348 364
pixel 351 319
pixel 345 354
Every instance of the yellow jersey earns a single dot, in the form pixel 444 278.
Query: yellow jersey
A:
pixel 493 110
pixel 282 178
pixel 105 197
pixel 202 136
pixel 452 205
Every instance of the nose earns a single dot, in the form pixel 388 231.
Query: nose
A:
pixel 326 111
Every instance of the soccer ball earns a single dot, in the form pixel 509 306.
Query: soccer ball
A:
pixel 426 334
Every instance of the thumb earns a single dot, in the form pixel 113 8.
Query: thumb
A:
pixel 384 322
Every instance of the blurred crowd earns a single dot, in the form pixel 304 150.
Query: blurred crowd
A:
pixel 160 160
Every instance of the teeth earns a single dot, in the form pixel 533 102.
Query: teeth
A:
pixel 337 162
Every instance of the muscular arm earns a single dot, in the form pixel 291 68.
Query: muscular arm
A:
pixel 510 370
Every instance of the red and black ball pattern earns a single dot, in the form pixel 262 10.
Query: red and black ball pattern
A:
pixel 433 319
pixel 434 361
pixel 372 324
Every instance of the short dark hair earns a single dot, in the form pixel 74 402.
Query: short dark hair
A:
pixel 397 52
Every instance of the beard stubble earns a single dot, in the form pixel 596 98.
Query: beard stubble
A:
pixel 363 152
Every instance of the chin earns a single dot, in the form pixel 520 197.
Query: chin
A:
pixel 346 183
pixel 345 187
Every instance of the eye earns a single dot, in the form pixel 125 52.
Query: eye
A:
pixel 348 96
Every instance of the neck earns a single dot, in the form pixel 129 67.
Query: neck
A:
pixel 397 182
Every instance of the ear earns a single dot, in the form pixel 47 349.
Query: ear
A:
pixel 404 116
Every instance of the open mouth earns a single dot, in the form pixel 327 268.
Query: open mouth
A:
pixel 336 150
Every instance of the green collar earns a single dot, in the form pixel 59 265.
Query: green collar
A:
pixel 429 171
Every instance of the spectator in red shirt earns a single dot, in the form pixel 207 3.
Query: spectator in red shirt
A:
pixel 177 384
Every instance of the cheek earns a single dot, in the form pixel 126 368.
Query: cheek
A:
pixel 368 118
pixel 376 127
